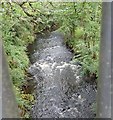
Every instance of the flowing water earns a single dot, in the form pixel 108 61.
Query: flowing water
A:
pixel 60 90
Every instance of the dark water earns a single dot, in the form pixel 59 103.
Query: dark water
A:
pixel 60 91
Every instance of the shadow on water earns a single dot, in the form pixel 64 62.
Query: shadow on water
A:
pixel 31 48
pixel 60 90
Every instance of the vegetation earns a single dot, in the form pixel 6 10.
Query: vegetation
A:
pixel 79 22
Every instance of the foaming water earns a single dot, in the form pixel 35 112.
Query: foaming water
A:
pixel 60 92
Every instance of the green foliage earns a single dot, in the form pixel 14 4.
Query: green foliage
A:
pixel 24 102
pixel 17 34
pixel 19 22
pixel 80 23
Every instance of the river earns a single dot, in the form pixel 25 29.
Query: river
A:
pixel 60 91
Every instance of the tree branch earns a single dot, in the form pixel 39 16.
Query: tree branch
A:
pixel 24 9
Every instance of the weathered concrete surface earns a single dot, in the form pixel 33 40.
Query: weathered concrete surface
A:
pixel 60 92
pixel 7 98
